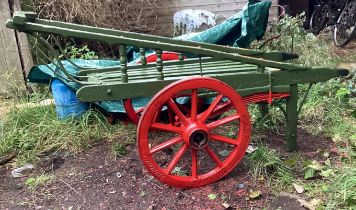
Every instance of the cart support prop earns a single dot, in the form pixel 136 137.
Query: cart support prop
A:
pixel 292 119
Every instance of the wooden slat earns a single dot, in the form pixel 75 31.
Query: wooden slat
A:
pixel 11 76
pixel 24 45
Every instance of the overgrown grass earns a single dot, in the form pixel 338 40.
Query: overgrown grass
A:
pixel 265 162
pixel 36 131
pixel 342 194
pixel 329 111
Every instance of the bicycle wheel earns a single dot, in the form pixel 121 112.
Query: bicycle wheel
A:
pixel 318 19
pixel 345 28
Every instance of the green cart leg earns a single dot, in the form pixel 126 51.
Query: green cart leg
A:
pixel 292 119
pixel 263 108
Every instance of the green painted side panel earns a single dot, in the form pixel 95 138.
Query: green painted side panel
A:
pixel 115 90
pixel 313 75
pixel 149 88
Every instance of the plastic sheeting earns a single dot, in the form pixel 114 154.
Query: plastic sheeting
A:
pixel 239 30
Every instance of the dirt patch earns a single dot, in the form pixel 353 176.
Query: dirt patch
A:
pixel 94 180
pixel 309 146
pixel 347 51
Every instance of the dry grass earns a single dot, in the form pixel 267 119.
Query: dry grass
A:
pixel 116 14
pixel 123 15
pixel 5 107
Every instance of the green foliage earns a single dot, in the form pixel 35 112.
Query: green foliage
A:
pixel 36 130
pixel 84 52
pixel 313 51
pixel 342 190
pixel 290 31
pixel 212 196
pixel 328 110
pixel 119 149
pixel 34 182
pixel 266 162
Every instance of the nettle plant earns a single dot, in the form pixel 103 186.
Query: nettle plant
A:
pixel 289 31
pixel 289 35
pixel 73 52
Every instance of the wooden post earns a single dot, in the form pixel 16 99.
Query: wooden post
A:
pixel 159 63
pixel 143 56
pixel 292 119
pixel 11 70
pixel 23 45
pixel 263 106
pixel 123 62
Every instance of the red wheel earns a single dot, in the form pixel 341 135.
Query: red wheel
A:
pixel 132 114
pixel 197 151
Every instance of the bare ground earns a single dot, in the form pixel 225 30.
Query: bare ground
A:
pixel 94 180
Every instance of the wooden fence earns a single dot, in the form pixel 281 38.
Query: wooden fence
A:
pixel 224 8
pixel 15 56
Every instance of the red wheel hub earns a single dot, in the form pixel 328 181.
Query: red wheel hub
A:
pixel 196 135
pixel 201 150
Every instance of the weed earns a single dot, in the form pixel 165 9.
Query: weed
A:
pixel 118 149
pixel 342 192
pixel 328 110
pixel 265 162
pixel 83 52
pixel 313 51
pixel 34 182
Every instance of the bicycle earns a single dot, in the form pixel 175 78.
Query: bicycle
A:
pixel 338 14
pixel 345 27
pixel 326 13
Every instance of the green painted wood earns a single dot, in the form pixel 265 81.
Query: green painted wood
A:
pixel 29 17
pixel 215 51
pixel 317 74
pixel 184 71
pixel 239 81
pixel 292 119
pixel 84 72
pixel 181 57
pixel 159 65
pixel 123 63
pixel 143 56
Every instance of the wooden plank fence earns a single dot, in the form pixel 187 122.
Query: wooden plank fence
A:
pixel 163 22
pixel 15 56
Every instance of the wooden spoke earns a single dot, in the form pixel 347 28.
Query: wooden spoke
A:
pixel 223 121
pixel 213 156
pixel 176 158
pixel 166 127
pixel 166 144
pixel 173 106
pixel 211 108
pixel 223 139
pixel 194 105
